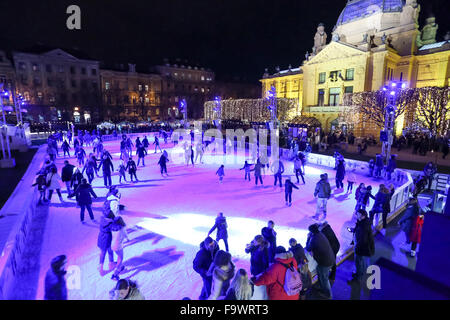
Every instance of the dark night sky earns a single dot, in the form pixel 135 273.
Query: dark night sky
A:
pixel 234 37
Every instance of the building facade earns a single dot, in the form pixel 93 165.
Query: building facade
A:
pixel 179 81
pixel 373 42
pixel 130 95
pixel 57 86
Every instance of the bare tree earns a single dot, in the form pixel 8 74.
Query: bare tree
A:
pixel 372 104
pixel 433 111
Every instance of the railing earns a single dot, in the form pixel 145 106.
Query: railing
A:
pixel 18 213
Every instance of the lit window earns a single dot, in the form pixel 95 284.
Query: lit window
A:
pixel 322 77
pixel 147 100
pixel 350 74
pixel 35 67
pixel 107 85
pixel 146 87
pixel 334 96
pixel 140 87
pixel 203 89
pixel 203 78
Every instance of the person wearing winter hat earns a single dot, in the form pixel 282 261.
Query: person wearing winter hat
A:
pixel 222 271
pixel 55 283
pixel 320 247
pixel 323 193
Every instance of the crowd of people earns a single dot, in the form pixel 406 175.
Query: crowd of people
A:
pixel 276 273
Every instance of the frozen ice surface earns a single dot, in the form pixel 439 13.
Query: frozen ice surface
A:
pixel 168 217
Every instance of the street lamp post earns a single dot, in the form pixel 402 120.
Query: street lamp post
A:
pixel 6 162
pixel 218 111
pixel 271 96
pixel 387 135
pixel 183 109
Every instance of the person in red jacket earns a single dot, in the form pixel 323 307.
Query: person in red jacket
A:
pixel 273 278
pixel 416 233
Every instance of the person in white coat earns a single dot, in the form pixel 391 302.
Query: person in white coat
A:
pixel 54 183
pixel 119 235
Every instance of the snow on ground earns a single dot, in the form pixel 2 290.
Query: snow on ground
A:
pixel 168 217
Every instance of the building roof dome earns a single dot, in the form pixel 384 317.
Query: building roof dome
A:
pixel 359 9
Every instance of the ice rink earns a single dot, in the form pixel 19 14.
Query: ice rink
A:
pixel 168 217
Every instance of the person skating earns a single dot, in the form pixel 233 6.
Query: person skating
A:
pixel 202 263
pixel 83 193
pixel 108 167
pixel 351 179
pixel 112 202
pixel 371 167
pixel 66 175
pixel 221 272
pixel 364 245
pixel 322 192
pixel 104 242
pixel 163 163
pixel 340 174
pixel 55 282
pixel 392 165
pixel 274 278
pixel 247 168
pixel 90 167
pixel 129 146
pixel 119 235
pixel 126 290
pixel 123 148
pixel 408 218
pixel 122 170
pixel 378 165
pixel 41 183
pixel 199 151
pixel 298 169
pixel 258 174
pixel 322 252
pixel 81 154
pixel 156 143
pixel 221 173
pixel 145 143
pixel 380 199
pixel 191 152
pixel 53 183
pixel 278 170
pixel 132 168
pixel 141 154
pixel 65 146
pixel 328 232
pixel 221 226
pixel 270 236
pixel 416 233
pixel 288 185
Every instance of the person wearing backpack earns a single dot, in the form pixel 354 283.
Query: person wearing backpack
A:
pixel 282 279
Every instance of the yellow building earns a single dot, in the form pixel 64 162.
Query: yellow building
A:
pixel 373 42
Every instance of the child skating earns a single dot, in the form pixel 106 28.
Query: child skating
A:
pixel 221 173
